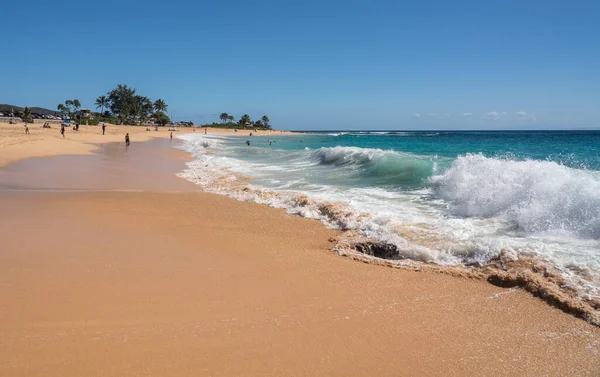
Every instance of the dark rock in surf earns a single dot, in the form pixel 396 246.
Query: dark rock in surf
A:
pixel 379 250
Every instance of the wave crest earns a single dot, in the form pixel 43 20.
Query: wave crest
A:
pixel 380 166
pixel 536 196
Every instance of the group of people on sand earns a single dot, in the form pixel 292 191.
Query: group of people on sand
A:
pixel 127 139
pixel 76 128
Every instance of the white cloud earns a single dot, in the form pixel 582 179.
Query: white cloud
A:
pixel 492 115
pixel 416 115
pixel 523 115
pixel 504 113
pixel 445 116
pixel 467 114
pixel 432 114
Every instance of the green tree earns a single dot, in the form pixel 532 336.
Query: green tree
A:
pixel 121 101
pixel 76 107
pixel 141 107
pixel 147 107
pixel 69 106
pixel 136 112
pixel 224 117
pixel 245 120
pixel 258 124
pixel 266 122
pixel 161 118
pixel 230 118
pixel 160 105
pixel 26 115
pixel 101 102
pixel 63 109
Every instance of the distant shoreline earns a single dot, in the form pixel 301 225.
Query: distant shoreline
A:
pixel 15 145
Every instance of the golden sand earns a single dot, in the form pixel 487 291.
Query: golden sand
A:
pixel 178 282
pixel 15 145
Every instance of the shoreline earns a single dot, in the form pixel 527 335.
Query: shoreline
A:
pixel 42 142
pixel 540 277
pixel 203 281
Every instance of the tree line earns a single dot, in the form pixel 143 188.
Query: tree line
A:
pixel 245 121
pixel 124 104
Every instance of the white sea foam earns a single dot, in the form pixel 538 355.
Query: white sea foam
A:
pixel 472 212
pixel 536 196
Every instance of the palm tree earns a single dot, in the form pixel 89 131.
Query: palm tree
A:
pixel 121 100
pixel 27 114
pixel 224 117
pixel 76 107
pixel 245 120
pixel 160 105
pixel 136 110
pixel 265 120
pixel 230 118
pixel 147 107
pixel 101 102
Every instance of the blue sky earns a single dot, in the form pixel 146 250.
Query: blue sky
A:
pixel 317 64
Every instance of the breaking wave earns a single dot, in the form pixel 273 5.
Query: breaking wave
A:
pixel 535 196
pixel 499 214
pixel 376 166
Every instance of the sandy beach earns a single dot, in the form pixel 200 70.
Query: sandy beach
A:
pixel 42 142
pixel 110 265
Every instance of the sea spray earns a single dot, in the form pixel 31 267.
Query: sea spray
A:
pixel 535 196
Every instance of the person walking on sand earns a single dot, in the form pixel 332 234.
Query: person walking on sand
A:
pixel 127 139
pixel 171 135
pixel 103 128
pixel 62 129
pixel 26 129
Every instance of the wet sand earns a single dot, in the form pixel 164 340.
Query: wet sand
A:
pixel 150 165
pixel 97 281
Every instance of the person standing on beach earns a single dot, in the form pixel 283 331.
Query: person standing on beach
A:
pixel 171 135
pixel 62 129
pixel 127 139
pixel 26 129
pixel 103 128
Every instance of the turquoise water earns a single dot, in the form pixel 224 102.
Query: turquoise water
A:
pixel 423 154
pixel 442 197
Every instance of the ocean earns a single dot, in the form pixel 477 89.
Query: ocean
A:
pixel 447 198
